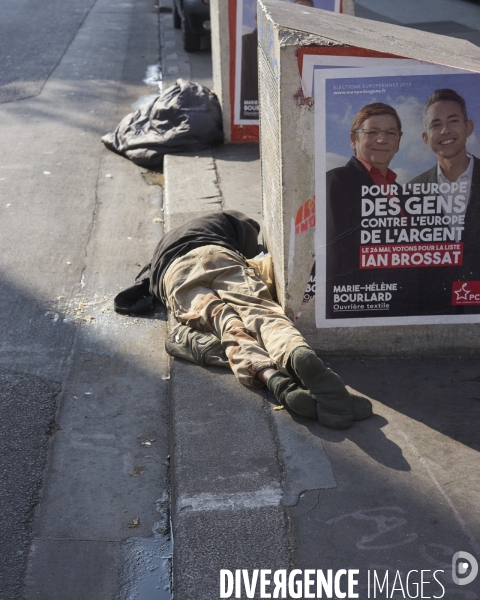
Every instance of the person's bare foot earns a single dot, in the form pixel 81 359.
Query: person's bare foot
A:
pixel 265 374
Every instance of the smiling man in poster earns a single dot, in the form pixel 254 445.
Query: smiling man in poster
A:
pixel 446 132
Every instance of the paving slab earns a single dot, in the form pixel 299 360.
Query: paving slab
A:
pixel 226 502
pixel 407 479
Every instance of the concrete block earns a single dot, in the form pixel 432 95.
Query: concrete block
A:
pixel 287 146
pixel 226 503
pixel 237 458
pixel 191 188
pixel 227 510
pixel 226 60
pixel 348 7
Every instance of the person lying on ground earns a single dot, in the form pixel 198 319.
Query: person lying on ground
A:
pixel 200 272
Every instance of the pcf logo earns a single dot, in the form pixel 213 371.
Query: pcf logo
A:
pixel 465 293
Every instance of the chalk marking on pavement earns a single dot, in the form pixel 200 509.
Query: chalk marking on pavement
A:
pixel 471 538
pixel 236 501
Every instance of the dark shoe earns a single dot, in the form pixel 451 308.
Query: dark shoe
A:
pixel 361 405
pixel 306 405
pixel 292 396
pixel 334 403
pixel 199 347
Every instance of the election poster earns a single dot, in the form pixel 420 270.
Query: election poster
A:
pixel 246 68
pixel 245 75
pixel 397 204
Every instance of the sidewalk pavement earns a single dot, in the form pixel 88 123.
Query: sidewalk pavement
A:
pixel 259 488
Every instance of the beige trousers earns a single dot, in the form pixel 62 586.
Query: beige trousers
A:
pixel 212 289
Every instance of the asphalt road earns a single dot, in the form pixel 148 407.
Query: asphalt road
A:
pixel 75 379
pixel 33 39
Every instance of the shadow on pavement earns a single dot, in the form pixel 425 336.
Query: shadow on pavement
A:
pixel 369 438
pixel 443 393
pixel 89 393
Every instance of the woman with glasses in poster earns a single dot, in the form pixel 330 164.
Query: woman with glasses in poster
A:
pixel 357 195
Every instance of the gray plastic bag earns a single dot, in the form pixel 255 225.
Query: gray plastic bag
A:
pixel 185 117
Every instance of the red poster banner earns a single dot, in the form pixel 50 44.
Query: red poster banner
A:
pixel 405 256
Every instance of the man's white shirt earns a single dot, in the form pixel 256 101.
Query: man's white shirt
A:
pixel 465 177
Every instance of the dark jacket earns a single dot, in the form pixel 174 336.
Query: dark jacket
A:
pixel 435 288
pixel 344 200
pixel 230 229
